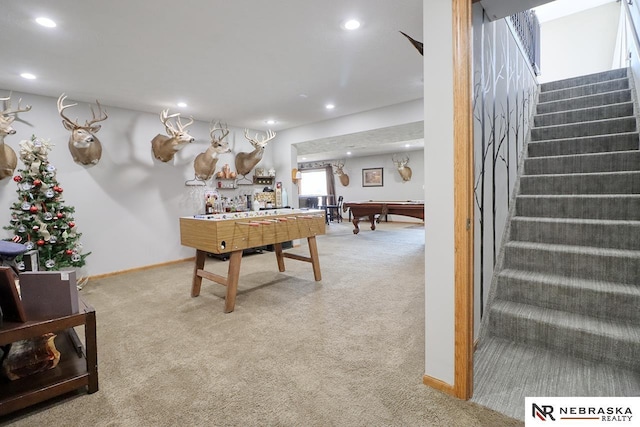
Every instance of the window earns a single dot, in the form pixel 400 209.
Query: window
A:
pixel 314 182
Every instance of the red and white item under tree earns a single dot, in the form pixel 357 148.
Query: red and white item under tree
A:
pixel 39 218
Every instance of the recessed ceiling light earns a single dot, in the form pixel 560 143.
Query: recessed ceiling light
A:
pixel 46 22
pixel 28 76
pixel 348 153
pixel 329 106
pixel 182 104
pixel 352 24
pixel 270 122
pixel 407 145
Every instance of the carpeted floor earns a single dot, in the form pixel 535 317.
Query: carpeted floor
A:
pixel 346 351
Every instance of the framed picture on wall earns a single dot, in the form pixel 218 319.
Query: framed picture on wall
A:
pixel 372 177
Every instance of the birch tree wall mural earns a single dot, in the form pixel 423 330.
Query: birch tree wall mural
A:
pixel 504 88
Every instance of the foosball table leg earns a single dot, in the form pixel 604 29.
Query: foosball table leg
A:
pixel 279 256
pixel 197 279
pixel 232 281
pixel 315 260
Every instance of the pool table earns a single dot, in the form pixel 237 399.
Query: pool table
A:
pixel 375 209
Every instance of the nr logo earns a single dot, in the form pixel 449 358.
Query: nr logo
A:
pixel 542 412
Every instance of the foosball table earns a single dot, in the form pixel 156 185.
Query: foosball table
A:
pixel 234 232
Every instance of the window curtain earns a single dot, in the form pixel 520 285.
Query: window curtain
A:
pixel 331 185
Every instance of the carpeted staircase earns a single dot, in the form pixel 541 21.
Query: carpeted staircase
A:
pixel 563 317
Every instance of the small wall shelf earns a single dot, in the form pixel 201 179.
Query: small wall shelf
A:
pixel 226 184
pixel 263 180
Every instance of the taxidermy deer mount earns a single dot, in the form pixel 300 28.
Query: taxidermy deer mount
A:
pixel 8 158
pixel 403 169
pixel 165 147
pixel 344 178
pixel 205 162
pixel 418 45
pixel 85 148
pixel 245 162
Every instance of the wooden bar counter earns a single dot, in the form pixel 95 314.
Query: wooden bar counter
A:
pixel 234 232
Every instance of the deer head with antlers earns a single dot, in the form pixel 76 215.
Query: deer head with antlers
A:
pixel 205 162
pixel 401 165
pixel 245 162
pixel 339 170
pixel 165 147
pixel 8 158
pixel 84 146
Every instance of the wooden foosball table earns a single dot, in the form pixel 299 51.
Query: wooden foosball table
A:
pixel 234 232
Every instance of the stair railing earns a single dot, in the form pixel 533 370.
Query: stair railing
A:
pixel 631 21
pixel 527 28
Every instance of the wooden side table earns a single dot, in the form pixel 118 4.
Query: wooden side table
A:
pixel 78 366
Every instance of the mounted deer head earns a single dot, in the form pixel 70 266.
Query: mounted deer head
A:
pixel 205 163
pixel 165 147
pixel 245 162
pixel 403 169
pixel 84 146
pixel 339 170
pixel 8 158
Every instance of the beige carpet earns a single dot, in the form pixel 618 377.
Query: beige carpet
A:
pixel 346 351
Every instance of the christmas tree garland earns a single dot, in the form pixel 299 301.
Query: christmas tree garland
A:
pixel 39 218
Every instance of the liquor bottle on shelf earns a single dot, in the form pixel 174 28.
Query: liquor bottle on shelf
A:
pixel 208 207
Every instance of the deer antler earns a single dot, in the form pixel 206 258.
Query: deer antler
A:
pixel 254 141
pixel 402 162
pixel 165 117
pixel 7 107
pixel 223 130
pixel 181 127
pixel 62 107
pixel 89 123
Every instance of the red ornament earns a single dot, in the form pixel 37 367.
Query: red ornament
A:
pixel 40 242
pixel 57 189
pixel 37 182
pixel 68 252
pixel 17 178
pixel 33 209
pixel 59 215
pixel 72 224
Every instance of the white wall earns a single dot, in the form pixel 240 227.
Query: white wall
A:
pixel 284 150
pixel 439 178
pixel 394 187
pixel 578 44
pixel 128 205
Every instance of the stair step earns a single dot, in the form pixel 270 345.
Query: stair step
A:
pixel 573 334
pixel 598 206
pixel 615 265
pixel 583 163
pixel 600 112
pixel 582 129
pixel 579 232
pixel 618 301
pixel 583 145
pixel 506 373
pixel 627 182
pixel 615 97
pixel 584 80
pixel 588 89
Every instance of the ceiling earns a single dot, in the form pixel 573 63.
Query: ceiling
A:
pixel 562 8
pixel 240 61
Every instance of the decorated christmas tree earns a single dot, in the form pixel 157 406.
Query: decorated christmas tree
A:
pixel 39 218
